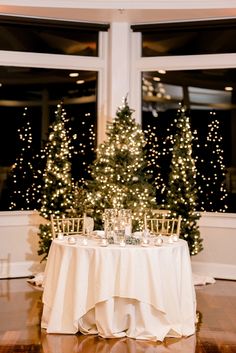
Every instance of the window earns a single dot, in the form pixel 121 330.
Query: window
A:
pixel 188 76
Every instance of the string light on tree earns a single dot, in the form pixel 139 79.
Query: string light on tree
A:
pixel 84 149
pixel 154 156
pixel 212 191
pixel 182 191
pixel 21 176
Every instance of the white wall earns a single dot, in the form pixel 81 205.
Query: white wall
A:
pixel 218 259
pixel 19 245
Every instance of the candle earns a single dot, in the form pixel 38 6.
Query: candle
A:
pixel 71 240
pixel 175 237
pixel 60 236
pixel 145 242
pixel 104 242
pixel 85 241
pixel 159 241
pixel 122 243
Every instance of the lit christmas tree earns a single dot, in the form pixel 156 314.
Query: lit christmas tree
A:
pixel 182 191
pixel 39 164
pixel 211 171
pixel 58 188
pixel 21 176
pixel 118 173
pixel 159 132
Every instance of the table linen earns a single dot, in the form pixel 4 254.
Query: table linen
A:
pixel 134 291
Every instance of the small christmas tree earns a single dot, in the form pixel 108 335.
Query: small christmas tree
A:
pixel 58 188
pixel 118 173
pixel 21 176
pixel 182 192
pixel 211 171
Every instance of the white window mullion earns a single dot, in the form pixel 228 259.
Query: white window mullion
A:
pixel 188 62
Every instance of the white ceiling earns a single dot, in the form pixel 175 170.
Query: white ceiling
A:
pixel 130 15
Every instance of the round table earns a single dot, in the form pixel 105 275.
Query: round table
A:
pixel 134 291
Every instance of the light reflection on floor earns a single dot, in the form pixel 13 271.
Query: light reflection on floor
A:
pixel 20 331
pixel 93 344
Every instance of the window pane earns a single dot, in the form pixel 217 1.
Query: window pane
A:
pixel 188 38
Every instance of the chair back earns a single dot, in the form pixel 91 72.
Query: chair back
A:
pixel 162 223
pixel 68 226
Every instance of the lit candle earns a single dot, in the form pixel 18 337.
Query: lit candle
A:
pixel 175 237
pixel 60 236
pixel 85 241
pixel 122 243
pixel 159 241
pixel 71 240
pixel 104 242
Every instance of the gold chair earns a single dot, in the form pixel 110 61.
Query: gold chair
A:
pixel 68 226
pixel 162 223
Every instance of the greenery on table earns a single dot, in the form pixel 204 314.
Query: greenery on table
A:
pixel 119 178
pixel 182 190
pixel 130 240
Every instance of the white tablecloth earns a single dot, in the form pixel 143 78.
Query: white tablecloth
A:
pixel 133 291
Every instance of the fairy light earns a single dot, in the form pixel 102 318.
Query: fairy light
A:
pixel 212 170
pixel 21 175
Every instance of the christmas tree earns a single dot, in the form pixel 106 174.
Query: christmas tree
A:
pixel 21 176
pixel 182 192
pixel 39 165
pixel 58 188
pixel 211 171
pixel 118 173
pixel 159 134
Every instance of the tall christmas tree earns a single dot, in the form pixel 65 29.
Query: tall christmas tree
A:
pixel 118 173
pixel 58 188
pixel 182 192
pixel 211 171
pixel 21 176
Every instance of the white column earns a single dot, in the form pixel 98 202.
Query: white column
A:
pixel 102 98
pixel 118 66
pixel 136 77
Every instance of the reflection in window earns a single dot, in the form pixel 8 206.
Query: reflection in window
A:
pixel 188 38
pixel 49 36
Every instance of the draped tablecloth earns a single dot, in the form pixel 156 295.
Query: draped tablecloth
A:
pixel 134 291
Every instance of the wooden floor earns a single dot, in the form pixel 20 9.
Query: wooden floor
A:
pixel 20 312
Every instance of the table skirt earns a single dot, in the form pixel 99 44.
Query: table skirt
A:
pixel 124 317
